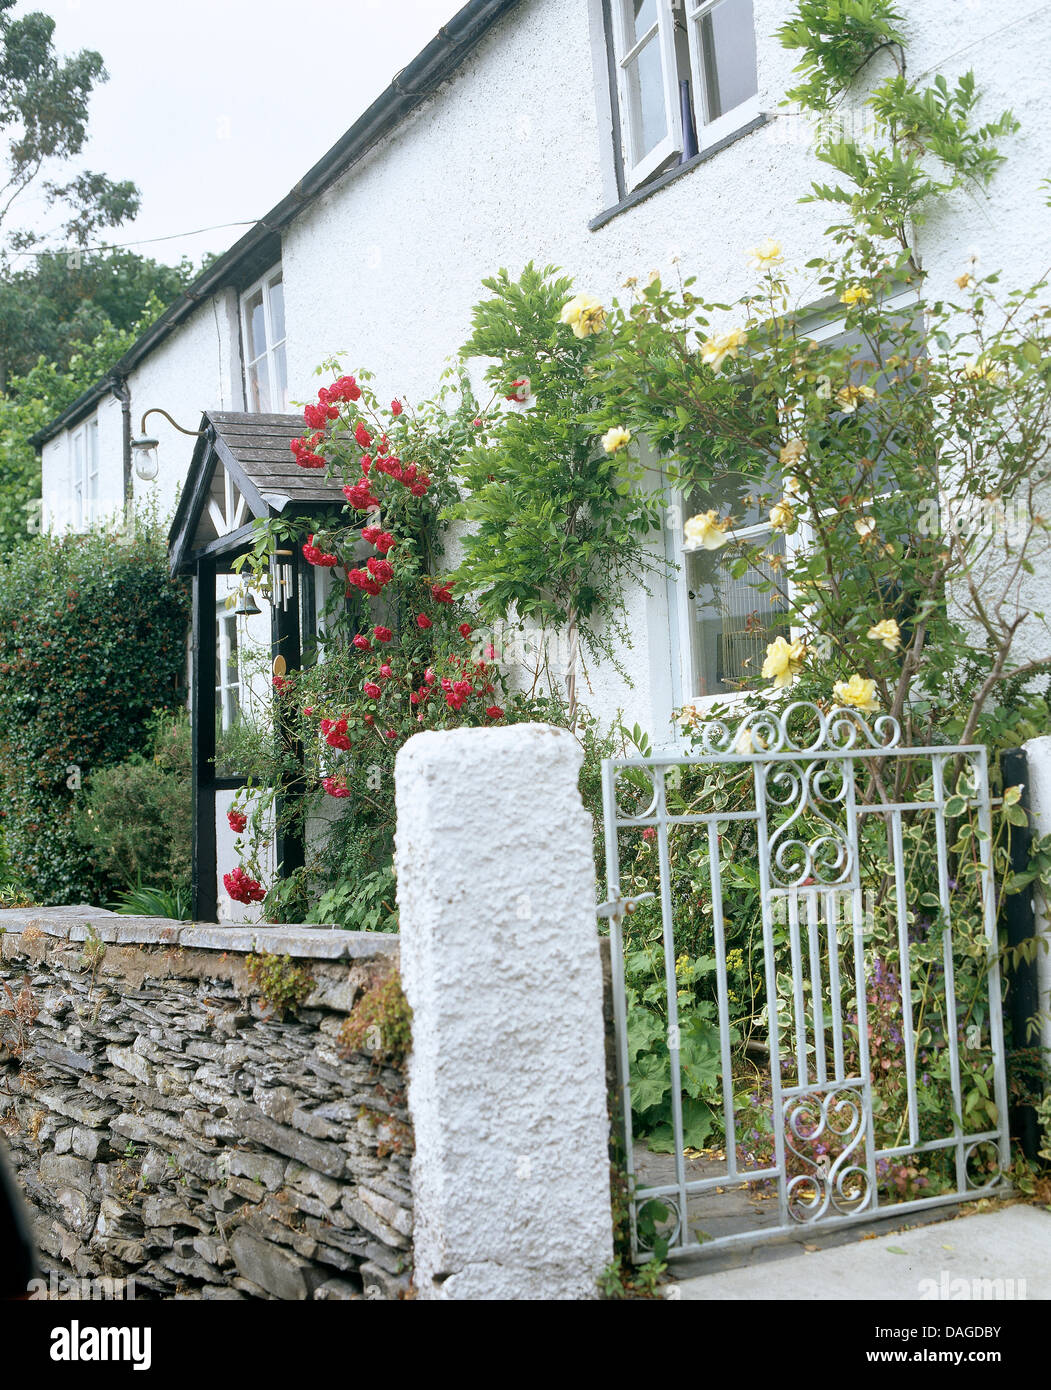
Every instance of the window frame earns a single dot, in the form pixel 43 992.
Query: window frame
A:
pixel 277 391
pixel 229 693
pixel 637 168
pixel 828 322
pixel 85 470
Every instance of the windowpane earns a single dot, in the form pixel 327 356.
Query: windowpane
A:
pixel 644 78
pixel 277 309
pixel 259 385
pixel 256 325
pixel 727 35
pixel 280 379
pixel 639 18
pixel 732 621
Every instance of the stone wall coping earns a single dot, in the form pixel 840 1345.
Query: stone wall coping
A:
pixel 314 942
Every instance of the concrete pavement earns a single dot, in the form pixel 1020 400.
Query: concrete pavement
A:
pixel 1003 1254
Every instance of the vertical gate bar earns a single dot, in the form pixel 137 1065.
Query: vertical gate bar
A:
pixel 798 1014
pixel 996 1019
pixel 671 992
pixel 949 971
pixel 817 997
pixel 832 901
pixel 777 1104
pixel 858 915
pixel 729 1118
pixel 616 957
pixel 898 854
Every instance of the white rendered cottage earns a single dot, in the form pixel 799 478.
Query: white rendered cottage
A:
pixel 553 131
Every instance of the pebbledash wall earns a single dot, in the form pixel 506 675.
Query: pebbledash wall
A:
pixel 164 1125
pixel 510 160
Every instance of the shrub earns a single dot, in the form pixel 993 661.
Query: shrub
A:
pixel 136 817
pixel 93 643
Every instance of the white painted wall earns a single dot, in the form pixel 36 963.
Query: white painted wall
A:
pixel 508 163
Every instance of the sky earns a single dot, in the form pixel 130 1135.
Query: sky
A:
pixel 215 108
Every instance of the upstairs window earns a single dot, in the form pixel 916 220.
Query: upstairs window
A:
pixel 263 326
pixel 84 447
pixel 686 77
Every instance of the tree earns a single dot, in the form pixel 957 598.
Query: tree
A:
pixel 43 117
pixel 54 307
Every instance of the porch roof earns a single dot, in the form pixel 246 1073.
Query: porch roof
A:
pixel 242 469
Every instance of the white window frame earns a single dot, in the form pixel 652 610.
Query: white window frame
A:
pixel 85 472
pixel 800 539
pixel 229 691
pixel 641 165
pixel 277 390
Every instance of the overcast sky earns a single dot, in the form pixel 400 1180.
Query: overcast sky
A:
pixel 215 108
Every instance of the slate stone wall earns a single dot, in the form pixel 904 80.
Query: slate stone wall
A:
pixel 163 1124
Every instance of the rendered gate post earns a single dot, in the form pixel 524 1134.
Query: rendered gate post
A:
pixel 500 964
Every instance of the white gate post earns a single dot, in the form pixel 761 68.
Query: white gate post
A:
pixel 1038 753
pixel 500 964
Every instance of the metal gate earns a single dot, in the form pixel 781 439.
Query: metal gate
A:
pixel 803 928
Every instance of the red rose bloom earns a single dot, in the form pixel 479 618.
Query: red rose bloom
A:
pixel 362 435
pixel 242 887
pixel 465 630
pixel 335 786
pixel 396 407
pixel 360 496
pixel 372 690
pixel 238 820
pixel 442 593
pixel 382 634
pixel 494 712
pixel 362 643
pixel 423 622
pixel 334 732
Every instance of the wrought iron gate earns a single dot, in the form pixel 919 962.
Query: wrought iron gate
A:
pixel 855 1060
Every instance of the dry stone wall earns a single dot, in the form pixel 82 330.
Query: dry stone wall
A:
pixel 165 1125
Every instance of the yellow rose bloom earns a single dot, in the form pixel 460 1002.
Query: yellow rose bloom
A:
pixel 864 526
pixel 705 530
pixel 715 351
pixel 886 632
pixel 584 314
pixel 855 294
pixel 857 693
pixel 981 369
pixel 784 661
pixel 782 517
pixel 965 280
pixel 615 439
pixel 766 255
pixel 847 397
pixel 792 452
pixel 748 741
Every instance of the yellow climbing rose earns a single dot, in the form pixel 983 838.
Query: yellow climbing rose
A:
pixel 855 294
pixel 848 397
pixel 715 351
pixel 584 314
pixel 856 693
pixel 792 452
pixel 766 255
pixel 782 517
pixel 705 530
pixel 615 439
pixel 784 661
pixel 886 632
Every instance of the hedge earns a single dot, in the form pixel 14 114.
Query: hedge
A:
pixel 92 643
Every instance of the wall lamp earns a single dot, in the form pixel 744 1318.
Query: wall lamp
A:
pixel 145 449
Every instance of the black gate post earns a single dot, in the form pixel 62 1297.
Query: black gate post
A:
pixel 289 848
pixel 1022 996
